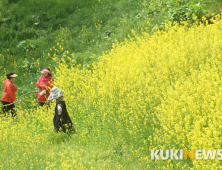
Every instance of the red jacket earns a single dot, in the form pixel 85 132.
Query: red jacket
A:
pixel 9 91
pixel 48 82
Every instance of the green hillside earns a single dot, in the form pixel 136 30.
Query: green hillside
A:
pixel 30 28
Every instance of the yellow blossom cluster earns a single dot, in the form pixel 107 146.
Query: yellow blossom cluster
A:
pixel 159 91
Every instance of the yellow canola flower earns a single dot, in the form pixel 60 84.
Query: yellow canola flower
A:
pixel 166 85
pixel 157 91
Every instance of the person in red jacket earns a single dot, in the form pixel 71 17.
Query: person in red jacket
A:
pixel 9 94
pixel 44 83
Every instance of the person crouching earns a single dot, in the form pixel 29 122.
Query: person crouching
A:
pixel 61 120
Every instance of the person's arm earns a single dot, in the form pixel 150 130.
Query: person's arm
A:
pixel 59 107
pixel 38 83
pixel 15 87
pixel 11 92
pixel 49 85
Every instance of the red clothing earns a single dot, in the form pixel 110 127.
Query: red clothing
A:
pixel 47 82
pixel 9 91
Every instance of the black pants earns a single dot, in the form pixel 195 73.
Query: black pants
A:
pixel 9 107
pixel 41 103
pixel 44 103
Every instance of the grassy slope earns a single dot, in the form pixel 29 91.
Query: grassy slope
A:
pixel 88 23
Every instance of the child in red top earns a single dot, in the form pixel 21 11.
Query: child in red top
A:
pixel 45 83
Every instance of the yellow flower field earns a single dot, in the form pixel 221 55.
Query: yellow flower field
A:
pixel 158 91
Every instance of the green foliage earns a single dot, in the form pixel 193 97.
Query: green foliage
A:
pixel 23 20
pixel 185 12
pixel 174 11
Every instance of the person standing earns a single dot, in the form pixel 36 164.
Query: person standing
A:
pixel 61 120
pixel 9 94
pixel 45 84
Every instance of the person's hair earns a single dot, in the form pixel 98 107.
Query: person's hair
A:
pixel 9 74
pixel 49 70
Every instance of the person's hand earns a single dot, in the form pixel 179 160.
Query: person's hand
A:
pixel 42 86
